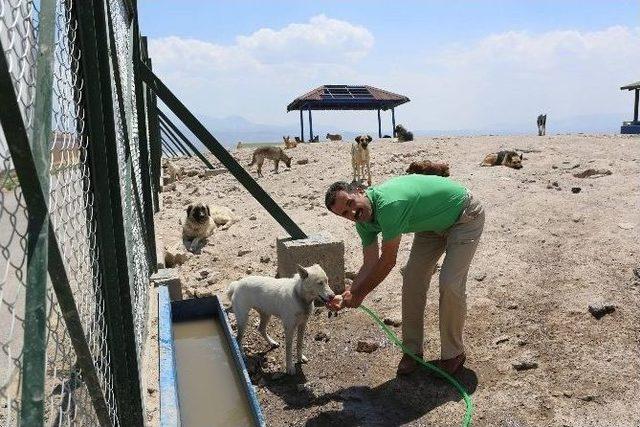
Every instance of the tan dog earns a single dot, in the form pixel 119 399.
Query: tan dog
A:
pixel 201 222
pixel 274 153
pixel 510 159
pixel 427 167
pixel 288 143
pixel 360 158
pixel 336 137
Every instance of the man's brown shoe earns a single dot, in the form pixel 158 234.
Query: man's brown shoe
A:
pixel 407 365
pixel 453 365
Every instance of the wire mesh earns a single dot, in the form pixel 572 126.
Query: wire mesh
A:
pixel 18 35
pixel 71 203
pixel 130 174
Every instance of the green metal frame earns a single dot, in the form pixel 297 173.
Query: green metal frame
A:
pixel 143 144
pixel 129 390
pixel 176 141
pixel 28 174
pixel 173 142
pixel 35 309
pixel 177 131
pixel 209 141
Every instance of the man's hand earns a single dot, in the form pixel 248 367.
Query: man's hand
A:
pixel 336 304
pixel 352 299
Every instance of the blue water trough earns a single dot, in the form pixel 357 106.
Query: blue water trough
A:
pixel 203 378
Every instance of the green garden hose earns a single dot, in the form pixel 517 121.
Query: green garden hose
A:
pixel 466 421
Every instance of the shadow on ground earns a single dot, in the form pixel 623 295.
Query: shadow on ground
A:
pixel 392 403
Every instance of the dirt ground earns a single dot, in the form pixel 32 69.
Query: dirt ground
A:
pixel 545 255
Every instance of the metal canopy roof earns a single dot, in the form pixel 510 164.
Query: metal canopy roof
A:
pixel 631 86
pixel 345 97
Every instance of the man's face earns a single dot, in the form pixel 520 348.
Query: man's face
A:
pixel 355 207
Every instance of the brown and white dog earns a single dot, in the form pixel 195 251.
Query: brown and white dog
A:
pixel 510 159
pixel 360 158
pixel 274 153
pixel 202 220
pixel 288 143
pixel 427 167
pixel 336 137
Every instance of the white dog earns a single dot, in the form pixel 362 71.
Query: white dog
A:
pixel 360 158
pixel 290 299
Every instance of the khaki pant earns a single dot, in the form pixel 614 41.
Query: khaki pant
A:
pixel 459 244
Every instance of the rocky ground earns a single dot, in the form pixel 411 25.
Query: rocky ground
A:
pixel 553 245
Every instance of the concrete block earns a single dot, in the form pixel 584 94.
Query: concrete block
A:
pixel 170 278
pixel 320 248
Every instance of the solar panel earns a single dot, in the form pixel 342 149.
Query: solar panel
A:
pixel 345 92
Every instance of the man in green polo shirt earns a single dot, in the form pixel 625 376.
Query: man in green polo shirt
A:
pixel 444 218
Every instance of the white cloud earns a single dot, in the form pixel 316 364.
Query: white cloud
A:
pixel 502 78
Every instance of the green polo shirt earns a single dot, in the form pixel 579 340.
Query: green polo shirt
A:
pixel 412 203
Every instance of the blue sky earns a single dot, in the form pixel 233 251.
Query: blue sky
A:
pixel 464 64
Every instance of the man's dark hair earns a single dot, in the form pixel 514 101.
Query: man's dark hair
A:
pixel 330 197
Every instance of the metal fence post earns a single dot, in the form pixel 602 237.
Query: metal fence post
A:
pixel 145 174
pixel 175 129
pixel 129 396
pixel 34 348
pixel 155 149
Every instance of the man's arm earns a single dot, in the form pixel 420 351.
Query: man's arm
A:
pixel 374 270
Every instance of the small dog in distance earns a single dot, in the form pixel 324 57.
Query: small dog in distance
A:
pixel 276 154
pixel 402 134
pixel 334 137
pixel 510 159
pixel 427 167
pixel 360 158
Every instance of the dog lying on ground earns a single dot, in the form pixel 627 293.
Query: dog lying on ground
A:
pixel 202 220
pixel 274 153
pixel 290 299
pixel 402 134
pixel 336 137
pixel 360 158
pixel 315 139
pixel 172 171
pixel 427 167
pixel 509 159
pixel 288 143
pixel 542 124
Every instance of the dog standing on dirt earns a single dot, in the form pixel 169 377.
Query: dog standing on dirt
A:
pixel 360 158
pixel 427 167
pixel 510 159
pixel 402 134
pixel 336 137
pixel 274 153
pixel 290 299
pixel 542 124
pixel 202 220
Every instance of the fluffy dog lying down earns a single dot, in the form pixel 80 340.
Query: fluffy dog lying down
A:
pixel 290 299
pixel 508 158
pixel 427 167
pixel 201 222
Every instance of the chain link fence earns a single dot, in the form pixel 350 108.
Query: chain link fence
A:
pixel 100 195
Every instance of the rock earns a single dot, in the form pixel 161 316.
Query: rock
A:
pixel 243 252
pixel 599 309
pixel 169 187
pixel 302 161
pixel 501 339
pixel 192 172
pixel 253 218
pixel 204 273
pixel 392 321
pixel 512 306
pixel 577 218
pixel 524 362
pixel 587 397
pixel 175 255
pixel 480 277
pixel 322 336
pixel 626 226
pixel 249 270
pixel 576 190
pixel 264 259
pixel 212 281
pixel 367 346
pixel 203 292
pixel 567 393
pixel 596 173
